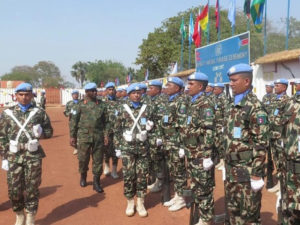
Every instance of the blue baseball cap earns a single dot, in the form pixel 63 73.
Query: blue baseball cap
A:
pixel 26 87
pixel 176 80
pixel 198 77
pixel 221 85
pixel 90 86
pixel 110 85
pixel 155 83
pixel 281 81
pixel 134 87
pixel 75 92
pixel 239 68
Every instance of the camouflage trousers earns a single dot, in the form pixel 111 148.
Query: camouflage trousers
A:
pixel 202 185
pixel 135 170
pixel 156 160
pixel 85 151
pixel 291 217
pixel 242 204
pixel 176 167
pixel 109 152
pixel 23 180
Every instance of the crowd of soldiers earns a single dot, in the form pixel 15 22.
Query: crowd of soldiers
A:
pixel 178 133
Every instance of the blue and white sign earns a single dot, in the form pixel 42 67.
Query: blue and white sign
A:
pixel 215 60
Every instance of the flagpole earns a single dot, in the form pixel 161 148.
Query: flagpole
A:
pixel 219 25
pixel 181 57
pixel 287 27
pixel 265 30
pixel 190 40
pixel 208 30
pixel 248 23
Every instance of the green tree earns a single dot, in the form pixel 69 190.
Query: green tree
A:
pixel 23 73
pixel 79 71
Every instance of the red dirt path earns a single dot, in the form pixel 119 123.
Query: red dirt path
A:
pixel 64 202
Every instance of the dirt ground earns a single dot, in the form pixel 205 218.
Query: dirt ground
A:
pixel 64 202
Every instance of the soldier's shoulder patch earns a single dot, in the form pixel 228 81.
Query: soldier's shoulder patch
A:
pixel 182 109
pixel 208 113
pixel 261 119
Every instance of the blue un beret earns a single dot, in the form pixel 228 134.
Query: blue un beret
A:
pixel 210 84
pixel 110 85
pixel 198 76
pixel 120 89
pixel 155 83
pixel 143 86
pixel 239 68
pixel 221 85
pixel 297 81
pixel 24 87
pixel 75 92
pixel 271 84
pixel 281 81
pixel 134 87
pixel 90 86
pixel 176 80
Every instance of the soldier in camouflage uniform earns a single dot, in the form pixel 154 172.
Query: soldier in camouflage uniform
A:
pixel 290 182
pixel 269 97
pixel 43 100
pixel 69 109
pixel 21 153
pixel 170 125
pixel 132 124
pixel 276 142
pixel 245 140
pixel 109 152
pixel 88 132
pixel 198 141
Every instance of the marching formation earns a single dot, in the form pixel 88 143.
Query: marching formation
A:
pixel 175 134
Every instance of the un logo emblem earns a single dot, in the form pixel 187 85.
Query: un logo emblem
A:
pixel 218 50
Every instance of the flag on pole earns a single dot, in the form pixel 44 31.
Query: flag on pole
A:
pixel 247 8
pixel 128 78
pixel 117 81
pixel 146 74
pixel 182 29
pixel 197 31
pixel 191 28
pixel 217 15
pixel 174 69
pixel 203 19
pixel 231 13
pixel 257 13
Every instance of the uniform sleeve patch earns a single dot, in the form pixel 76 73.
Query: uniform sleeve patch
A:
pixel 182 109
pixel 261 119
pixel 208 113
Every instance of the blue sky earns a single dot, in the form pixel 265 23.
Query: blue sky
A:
pixel 66 31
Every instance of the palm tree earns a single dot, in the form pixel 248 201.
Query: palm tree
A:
pixel 79 72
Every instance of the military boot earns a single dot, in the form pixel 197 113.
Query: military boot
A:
pixel 83 180
pixel 30 219
pixel 106 169
pixel 114 173
pixel 20 218
pixel 157 186
pixel 130 207
pixel 140 207
pixel 96 184
pixel 172 201
pixel 178 204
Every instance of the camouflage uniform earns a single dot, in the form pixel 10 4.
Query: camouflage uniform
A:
pixel 109 152
pixel 43 102
pixel 135 153
pixel 290 182
pixel 246 130
pixel 25 168
pixel 267 101
pixel 69 108
pixel 170 125
pixel 198 141
pixel 89 125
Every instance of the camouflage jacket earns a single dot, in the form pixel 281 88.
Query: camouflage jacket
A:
pixel 69 106
pixel 276 112
pixel 89 121
pixel 198 130
pixel 112 111
pixel 124 122
pixel 245 139
pixel 267 101
pixel 173 119
pixel 43 102
pixel 221 101
pixel 9 130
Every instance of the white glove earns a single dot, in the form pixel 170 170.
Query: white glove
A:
pixel 118 153
pixel 181 153
pixel 37 130
pixel 257 185
pixel 128 136
pixel 158 142
pixel 207 163
pixel 5 164
pixel 149 125
pixel 278 202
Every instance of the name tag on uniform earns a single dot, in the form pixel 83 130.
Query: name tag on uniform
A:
pixel 116 112
pixel 189 119
pixel 276 112
pixel 166 118
pixel 237 132
pixel 143 121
